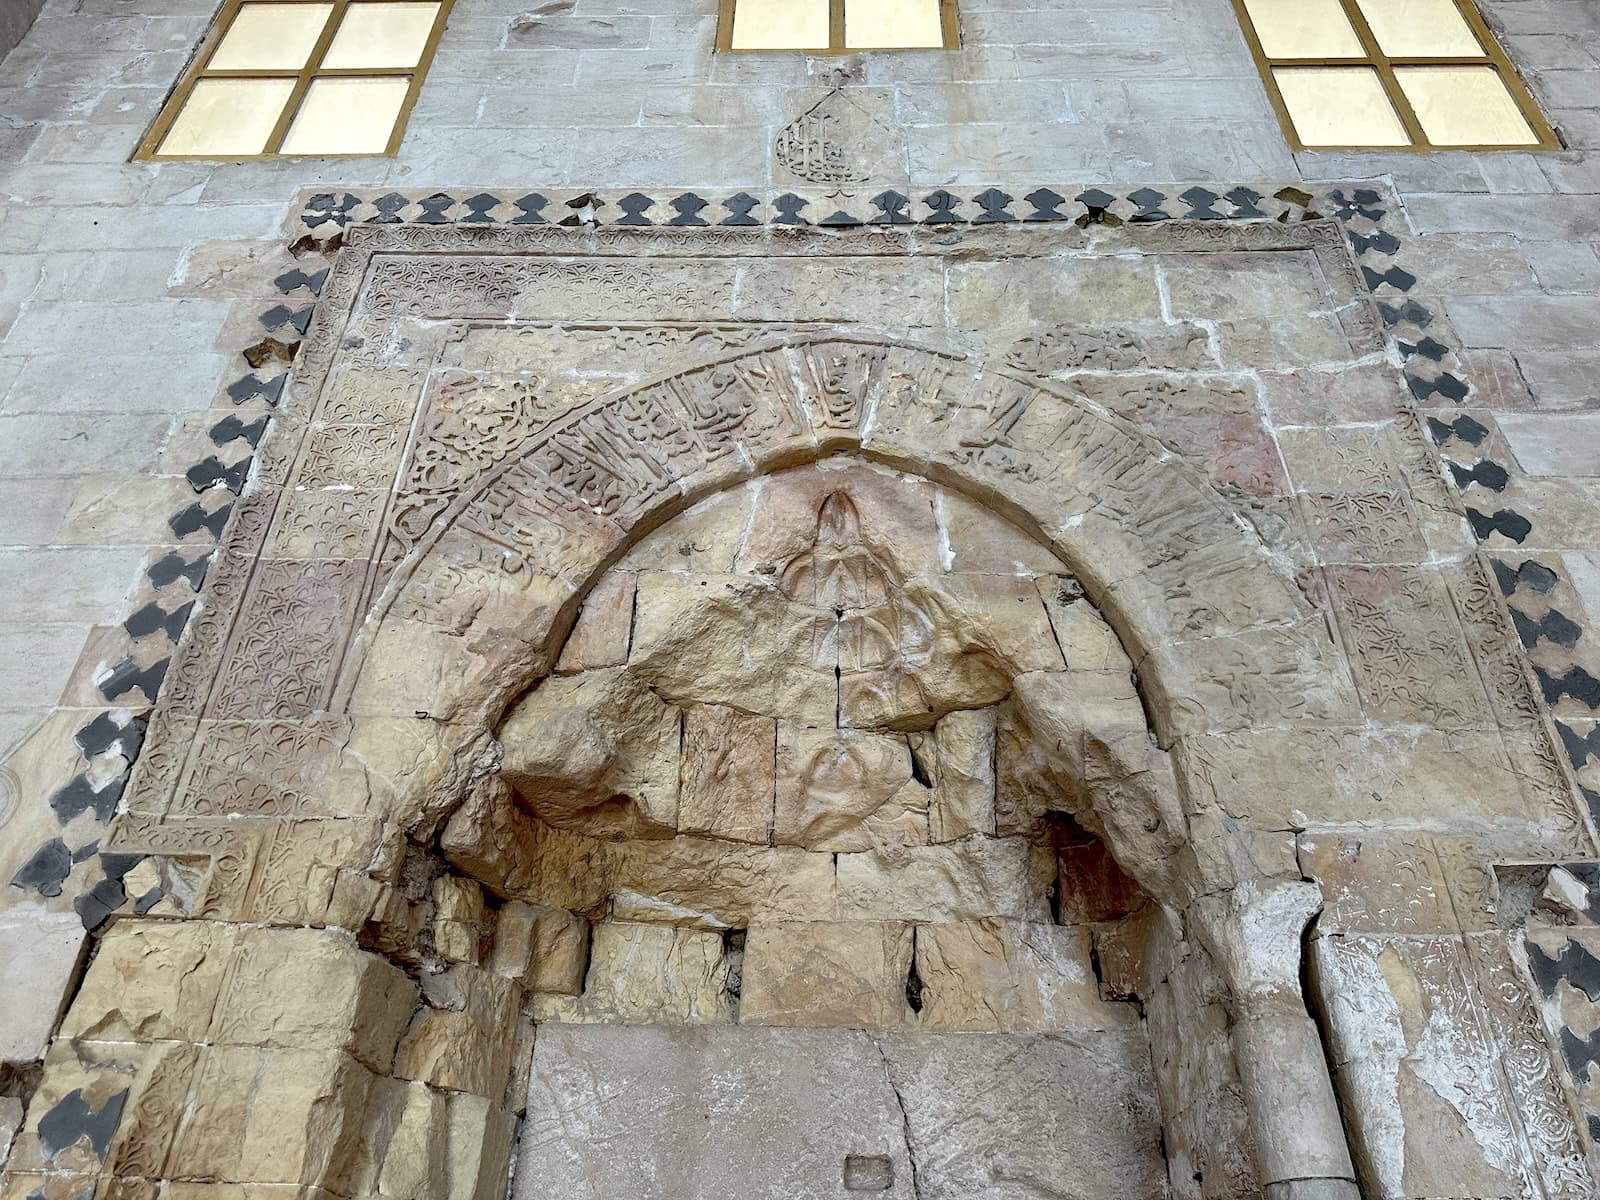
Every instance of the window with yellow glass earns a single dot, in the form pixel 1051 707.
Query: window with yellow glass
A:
pixel 301 78
pixel 838 26
pixel 1390 74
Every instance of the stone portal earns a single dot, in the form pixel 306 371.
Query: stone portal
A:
pixel 785 772
pixel 943 640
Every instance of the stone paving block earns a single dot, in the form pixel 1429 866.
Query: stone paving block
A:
pixel 1554 444
pixel 41 952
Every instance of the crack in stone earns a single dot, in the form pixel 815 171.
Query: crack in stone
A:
pixel 905 1119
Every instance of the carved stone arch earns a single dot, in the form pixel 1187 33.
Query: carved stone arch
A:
pixel 1212 618
pixel 1220 633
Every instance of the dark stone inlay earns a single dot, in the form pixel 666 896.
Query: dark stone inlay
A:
pixel 942 208
pixel 80 796
pixel 688 207
pixel 72 1118
pixel 94 907
pixel 789 208
pixel 1382 242
pixel 1149 201
pixel 250 386
pixel 1486 473
pixel 634 206
pixel 325 207
pixel 389 208
pixel 1246 202
pixel 1577 683
pixel 214 471
pixel 1046 205
pixel 1409 313
pixel 995 205
pixel 195 518
pixel 530 209
pixel 480 209
pixel 128 675
pixel 1398 278
pixel 435 209
pixel 173 566
pixel 231 428
pixel 1580 747
pixel 1554 626
pixel 1463 429
pixel 104 734
pixel 1201 202
pixel 740 205
pixel 1447 385
pixel 292 281
pixel 891 208
pixel 1511 524
pixel 46 870
pixel 152 618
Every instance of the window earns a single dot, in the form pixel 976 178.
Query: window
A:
pixel 838 26
pixel 1413 74
pixel 281 78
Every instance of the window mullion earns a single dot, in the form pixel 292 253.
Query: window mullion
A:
pixel 1385 69
pixel 1513 82
pixel 302 83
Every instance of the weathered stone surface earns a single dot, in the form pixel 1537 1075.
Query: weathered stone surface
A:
pixel 842 975
pixel 844 790
pixel 404 1141
pixel 1092 1090
pixel 1439 1065
pixel 458 919
pixel 45 950
pixel 1086 641
pixel 1091 885
pixel 1079 743
pixel 733 883
pixel 728 769
pixel 1077 1116
pixel 724 1111
pixel 605 624
pixel 546 948
pixel 1317 688
pixel 478 1152
pixel 495 840
pixel 645 974
pixel 596 753
pixel 153 981
pixel 943 643
pixel 1010 976
pixel 274 1116
pixel 960 881
pixel 461 1039
pixel 10 1122
pixel 734 641
pixel 958 757
pixel 890 517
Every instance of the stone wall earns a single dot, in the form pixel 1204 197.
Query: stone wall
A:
pixel 845 496
pixel 14 22
pixel 119 467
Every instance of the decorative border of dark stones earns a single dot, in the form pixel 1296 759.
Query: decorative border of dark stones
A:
pixel 171 588
pixel 1433 371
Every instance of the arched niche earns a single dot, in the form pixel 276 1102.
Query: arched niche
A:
pixel 1219 632
pixel 827 791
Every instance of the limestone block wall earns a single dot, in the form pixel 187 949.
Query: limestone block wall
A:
pixel 405 710
pixel 117 467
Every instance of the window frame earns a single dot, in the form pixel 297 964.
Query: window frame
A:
pixel 949 27
pixel 222 23
pixel 1493 56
